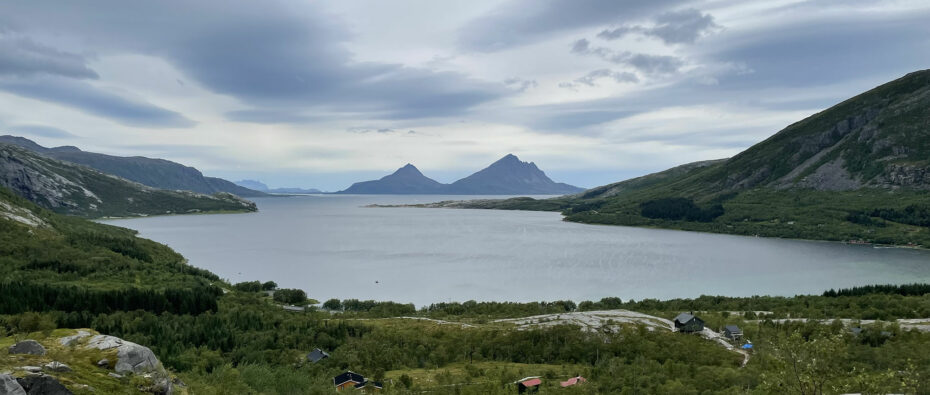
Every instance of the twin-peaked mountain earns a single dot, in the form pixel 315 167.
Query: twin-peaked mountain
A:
pixel 507 176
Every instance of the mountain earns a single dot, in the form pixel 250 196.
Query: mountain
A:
pixel 158 173
pixel 510 176
pixel 78 190
pixel 859 170
pixel 507 176
pixel 405 181
pixel 260 186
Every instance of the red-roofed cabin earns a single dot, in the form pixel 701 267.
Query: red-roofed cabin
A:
pixel 529 384
pixel 572 381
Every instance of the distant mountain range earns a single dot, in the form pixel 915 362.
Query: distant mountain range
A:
pixel 261 187
pixel 859 170
pixel 69 188
pixel 157 173
pixel 507 176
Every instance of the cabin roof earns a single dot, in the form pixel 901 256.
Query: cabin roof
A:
pixel 531 382
pixel 733 329
pixel 348 376
pixel 316 355
pixel 683 318
pixel 572 381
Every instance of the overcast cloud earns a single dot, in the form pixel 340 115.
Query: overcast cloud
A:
pixel 312 94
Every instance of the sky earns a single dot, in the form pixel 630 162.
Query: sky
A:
pixel 322 94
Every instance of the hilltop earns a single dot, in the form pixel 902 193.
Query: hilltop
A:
pixel 859 170
pixel 77 190
pixel 156 173
pixel 407 180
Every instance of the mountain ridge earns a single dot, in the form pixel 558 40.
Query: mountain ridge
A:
pixel 153 172
pixel 506 176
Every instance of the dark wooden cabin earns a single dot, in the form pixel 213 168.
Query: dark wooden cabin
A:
pixel 688 323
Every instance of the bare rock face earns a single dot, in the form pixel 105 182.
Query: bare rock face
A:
pixel 9 386
pixel 131 357
pixel 42 385
pixel 69 341
pixel 30 347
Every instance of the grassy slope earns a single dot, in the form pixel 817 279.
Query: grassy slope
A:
pixel 754 187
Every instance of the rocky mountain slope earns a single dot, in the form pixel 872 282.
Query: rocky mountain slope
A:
pixel 859 170
pixel 407 180
pixel 72 189
pixel 507 176
pixel 157 173
pixel 510 176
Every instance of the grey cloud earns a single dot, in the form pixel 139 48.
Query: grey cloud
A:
pixel 645 63
pixel 85 97
pixel 591 78
pixel 673 27
pixel 519 84
pixel 20 56
pixel 268 116
pixel 373 130
pixel 521 22
pixel 41 131
pixel 264 54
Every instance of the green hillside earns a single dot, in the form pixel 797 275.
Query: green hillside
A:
pixel 77 190
pixel 859 170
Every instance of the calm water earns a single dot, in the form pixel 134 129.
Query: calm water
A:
pixel 330 246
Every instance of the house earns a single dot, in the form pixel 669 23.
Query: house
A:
pixel 348 379
pixel 369 385
pixel 733 332
pixel 688 323
pixel 317 355
pixel 572 381
pixel 528 384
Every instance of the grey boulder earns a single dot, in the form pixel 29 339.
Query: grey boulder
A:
pixel 9 386
pixel 31 347
pixel 56 366
pixel 44 385
pixel 130 357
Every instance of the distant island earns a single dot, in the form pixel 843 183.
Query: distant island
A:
pixel 261 187
pixel 507 176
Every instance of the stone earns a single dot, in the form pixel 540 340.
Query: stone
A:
pixel 9 386
pixel 130 357
pixel 103 363
pixel 56 366
pixel 115 375
pixel 70 341
pixel 31 369
pixel 45 385
pixel 30 347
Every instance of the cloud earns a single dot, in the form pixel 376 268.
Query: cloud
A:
pixel 591 78
pixel 374 130
pixel 269 116
pixel 645 63
pixel 87 98
pixel 519 84
pixel 672 27
pixel 264 54
pixel 22 57
pixel 522 22
pixel 41 131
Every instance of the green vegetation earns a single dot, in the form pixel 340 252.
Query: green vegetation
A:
pixel 71 189
pixel 65 272
pixel 856 171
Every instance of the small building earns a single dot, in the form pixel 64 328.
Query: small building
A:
pixel 528 385
pixel 369 386
pixel 572 381
pixel 317 355
pixel 348 379
pixel 688 323
pixel 733 332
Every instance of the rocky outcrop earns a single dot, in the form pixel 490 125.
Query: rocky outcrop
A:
pixel 9 386
pixel 70 341
pixel 30 347
pixel 42 385
pixel 131 357
pixel 56 366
